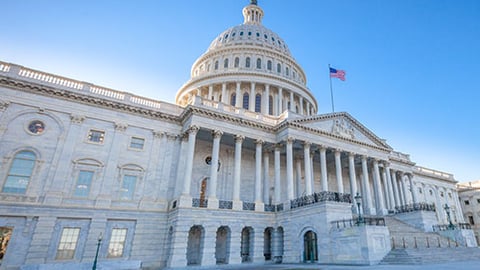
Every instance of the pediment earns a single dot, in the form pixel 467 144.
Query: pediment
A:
pixel 342 125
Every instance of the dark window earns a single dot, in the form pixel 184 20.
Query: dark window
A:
pixel 233 99
pixel 259 63
pixel 467 202
pixel 216 65
pixel 470 219
pixel 237 62
pixel 225 63
pixel 258 102
pixel 279 68
pixel 269 65
pixel 247 62
pixel 245 101
pixel 270 105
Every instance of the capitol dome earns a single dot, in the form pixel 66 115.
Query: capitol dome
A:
pixel 249 66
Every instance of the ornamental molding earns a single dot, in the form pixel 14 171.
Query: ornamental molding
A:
pixel 121 127
pixel 86 99
pixel 4 105
pixel 77 119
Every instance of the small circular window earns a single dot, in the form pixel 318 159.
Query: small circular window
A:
pixel 208 160
pixel 36 127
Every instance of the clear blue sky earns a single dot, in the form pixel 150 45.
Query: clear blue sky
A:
pixel 413 66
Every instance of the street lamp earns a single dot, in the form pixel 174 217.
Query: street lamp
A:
pixel 450 224
pixel 99 242
pixel 358 200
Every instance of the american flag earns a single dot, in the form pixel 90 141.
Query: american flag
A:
pixel 337 73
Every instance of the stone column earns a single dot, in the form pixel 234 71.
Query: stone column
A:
pixel 266 107
pixel 301 104
pixel 308 173
pixel 311 170
pixel 412 188
pixel 238 96
pixel 390 186
pixel 278 183
pixel 266 178
pixel 290 168
pixel 323 168
pixel 251 105
pixel 352 174
pixel 385 189
pixel 292 103
pixel 442 218
pixel 224 93
pixel 459 212
pixel 308 108
pixel 396 190
pixel 210 92
pixel 212 190
pixel 368 204
pixel 209 239
pixel 404 187
pixel 235 244
pixel 280 100
pixel 237 204
pixel 258 175
pixel 338 171
pixel 380 204
pixel 298 169
pixel 192 133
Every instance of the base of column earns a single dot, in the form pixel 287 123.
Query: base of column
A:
pixel 237 205
pixel 212 203
pixel 185 201
pixel 259 207
pixel 370 211
pixel 382 212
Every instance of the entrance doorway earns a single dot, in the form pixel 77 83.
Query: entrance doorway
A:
pixel 247 244
pixel 5 234
pixel 267 243
pixel 195 245
pixel 310 251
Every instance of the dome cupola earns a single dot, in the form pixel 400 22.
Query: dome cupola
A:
pixel 249 66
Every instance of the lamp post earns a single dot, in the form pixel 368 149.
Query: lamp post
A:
pixel 358 200
pixel 450 224
pixel 99 242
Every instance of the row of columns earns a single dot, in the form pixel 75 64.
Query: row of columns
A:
pixel 388 191
pixel 281 99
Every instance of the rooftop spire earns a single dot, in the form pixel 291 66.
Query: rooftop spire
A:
pixel 252 13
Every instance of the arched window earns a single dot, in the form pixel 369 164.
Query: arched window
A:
pixel 216 65
pixel 270 105
pixel 245 100
pixel 259 63
pixel 225 63
pixel 288 105
pixel 20 173
pixel 237 62
pixel 286 71
pixel 258 102
pixel 279 68
pixel 233 99
pixel 269 65
pixel 247 62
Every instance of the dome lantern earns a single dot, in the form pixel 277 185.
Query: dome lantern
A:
pixel 252 13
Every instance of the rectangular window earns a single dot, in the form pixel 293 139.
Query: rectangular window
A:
pixel 68 243
pixel 478 200
pixel 84 181
pixel 96 136
pixel 128 187
pixel 137 143
pixel 470 219
pixel 467 202
pixel 117 243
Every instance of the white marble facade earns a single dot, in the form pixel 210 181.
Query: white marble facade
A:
pixel 242 169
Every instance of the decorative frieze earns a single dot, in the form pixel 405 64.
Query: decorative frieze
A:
pixel 77 119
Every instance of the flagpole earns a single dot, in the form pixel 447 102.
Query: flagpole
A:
pixel 331 91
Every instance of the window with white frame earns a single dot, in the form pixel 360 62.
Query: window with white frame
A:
pixel 20 173
pixel 96 136
pixel 130 175
pixel 137 143
pixel 116 246
pixel 84 182
pixel 68 243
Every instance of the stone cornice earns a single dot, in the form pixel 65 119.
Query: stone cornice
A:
pixel 85 99
pixel 292 124
pixel 359 125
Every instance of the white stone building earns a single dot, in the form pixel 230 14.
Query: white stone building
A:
pixel 241 169
pixel 469 196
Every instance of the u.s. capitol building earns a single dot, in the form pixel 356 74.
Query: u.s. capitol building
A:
pixel 242 169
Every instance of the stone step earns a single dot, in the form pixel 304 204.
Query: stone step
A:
pixel 430 255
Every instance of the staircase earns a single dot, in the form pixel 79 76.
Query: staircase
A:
pixel 413 246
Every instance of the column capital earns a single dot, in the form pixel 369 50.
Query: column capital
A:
pixel 338 151
pixel 193 130
pixel 77 119
pixel 352 154
pixel 259 141
pixel 386 164
pixel 239 138
pixel 290 140
pixel 278 147
pixel 158 134
pixel 217 133
pixel 307 144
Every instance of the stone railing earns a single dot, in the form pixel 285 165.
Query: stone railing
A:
pixel 415 207
pixel 225 204
pixel 425 242
pixel 430 172
pixel 47 79
pixel 219 106
pixel 248 206
pixel 202 203
pixel 320 197
pixel 269 208
pixel 364 221
pixel 450 227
